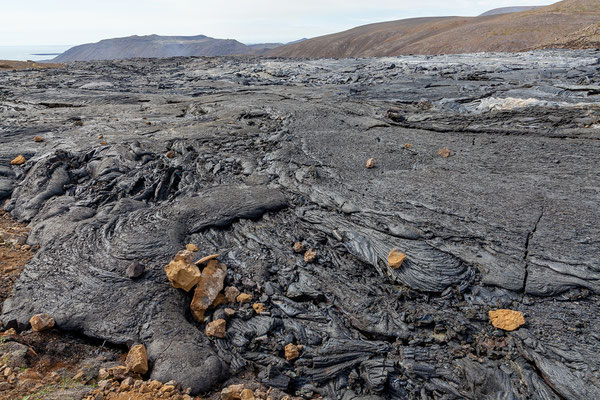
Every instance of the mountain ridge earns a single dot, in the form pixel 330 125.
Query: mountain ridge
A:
pixel 155 46
pixel 537 28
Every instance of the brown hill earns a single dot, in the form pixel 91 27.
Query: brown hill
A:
pixel 19 65
pixel 568 23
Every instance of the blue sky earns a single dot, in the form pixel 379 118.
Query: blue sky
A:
pixel 58 22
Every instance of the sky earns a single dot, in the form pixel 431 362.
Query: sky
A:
pixel 72 22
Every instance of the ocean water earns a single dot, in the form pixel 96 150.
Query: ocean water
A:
pixel 34 53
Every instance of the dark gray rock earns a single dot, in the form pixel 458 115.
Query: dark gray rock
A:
pixel 135 270
pixel 14 355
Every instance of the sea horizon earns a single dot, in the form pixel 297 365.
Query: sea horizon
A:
pixel 33 53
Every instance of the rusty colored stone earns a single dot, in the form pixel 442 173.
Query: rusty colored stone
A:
pixel 507 320
pixel 41 322
pixel 209 286
pixel 310 256
pixel 137 359
pixel 191 247
pixel 244 298
pixel 396 258
pixel 232 392
pixel 183 275
pixel 18 160
pixel 258 307
pixel 291 352
pixel 231 292
pixel 217 328
pixel 298 247
pixel 444 152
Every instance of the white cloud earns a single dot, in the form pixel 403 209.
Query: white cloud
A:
pixel 36 22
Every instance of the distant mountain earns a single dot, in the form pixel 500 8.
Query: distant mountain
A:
pixel 569 23
pixel 154 46
pixel 508 10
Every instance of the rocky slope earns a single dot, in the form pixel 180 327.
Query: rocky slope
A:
pixel 155 46
pixel 507 10
pixel 538 28
pixel 397 219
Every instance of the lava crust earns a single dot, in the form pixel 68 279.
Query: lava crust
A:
pixel 244 157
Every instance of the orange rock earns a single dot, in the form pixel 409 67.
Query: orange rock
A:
pixel 209 286
pixel 298 247
pixel 41 322
pixel 184 255
pixel 444 152
pixel 231 292
pixel 310 255
pixel 230 312
pixel 232 392
pixel 292 352
pixel 247 394
pixel 100 136
pixel 191 247
pixel 216 328
pixel 104 143
pixel 507 320
pixel 137 359
pixel 370 163
pixel 407 145
pixel 170 154
pixel 38 139
pixel 396 258
pixel 244 298
pixel 18 160
pixel 258 307
pixel 183 275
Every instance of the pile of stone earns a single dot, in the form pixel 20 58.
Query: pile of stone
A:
pixel 126 382
pixel 131 389
pixel 251 392
pixel 207 276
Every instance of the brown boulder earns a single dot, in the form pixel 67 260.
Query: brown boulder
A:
pixel 298 247
pixel 244 298
pixel 507 320
pixel 310 255
pixel 232 392
pixel 258 307
pixel 137 359
pixel 38 139
pixel 19 160
pixel 444 152
pixel 247 394
pixel 396 258
pixel 182 274
pixel 292 351
pixel 41 322
pixel 216 328
pixel 209 286
pixel 231 292
pixel 191 247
